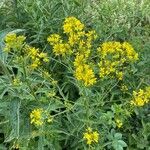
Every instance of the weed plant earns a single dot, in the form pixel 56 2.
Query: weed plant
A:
pixel 74 74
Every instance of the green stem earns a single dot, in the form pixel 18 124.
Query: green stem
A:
pixel 18 120
pixel 28 84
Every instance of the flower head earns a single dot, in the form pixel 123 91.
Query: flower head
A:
pixel 72 24
pixel 114 56
pixel 36 117
pixel 54 39
pixel 141 97
pixel 12 41
pixel 91 136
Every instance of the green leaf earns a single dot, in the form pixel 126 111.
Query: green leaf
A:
pixel 118 136
pixel 122 143
pixel 117 147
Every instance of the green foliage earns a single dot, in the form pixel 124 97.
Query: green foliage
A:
pixel 73 106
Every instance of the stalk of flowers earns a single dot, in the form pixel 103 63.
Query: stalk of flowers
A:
pixel 141 97
pixel 73 28
pixel 78 39
pixel 114 57
pixel 35 57
pixel 79 44
pixel 24 52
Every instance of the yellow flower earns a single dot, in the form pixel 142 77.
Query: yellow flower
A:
pixel 43 56
pixel 78 40
pixel 72 24
pixel 36 117
pixel 119 75
pixel 12 41
pixel 130 53
pixel 83 71
pixel 90 136
pixel 124 88
pixel 61 49
pixel 35 64
pixel 10 37
pixel 54 39
pixel 51 94
pixel 85 74
pixel 37 57
pixel 141 97
pixel 114 56
pixel 16 81
pixel 74 38
pixel 79 60
pixel 118 123
pixel 32 52
pixel 91 35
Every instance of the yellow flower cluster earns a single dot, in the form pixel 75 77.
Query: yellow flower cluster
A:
pixel 36 56
pixel 38 116
pixel 74 29
pixel 79 43
pixel 113 57
pixel 76 37
pixel 72 24
pixel 59 47
pixel 83 71
pixel 124 88
pixel 13 41
pixel 118 123
pixel 16 82
pixel 141 97
pixel 90 136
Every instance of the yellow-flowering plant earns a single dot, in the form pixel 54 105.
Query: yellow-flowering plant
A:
pixel 75 92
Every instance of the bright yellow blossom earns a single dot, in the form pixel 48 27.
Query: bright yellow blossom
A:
pixel 36 117
pixel 79 60
pixel 36 56
pixel 61 49
pixel 114 55
pixel 85 73
pixel 91 136
pixel 72 24
pixel 119 75
pixel 141 97
pixel 54 39
pixel 12 41
pixel 129 51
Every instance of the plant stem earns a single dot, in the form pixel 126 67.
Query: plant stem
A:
pixel 28 84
